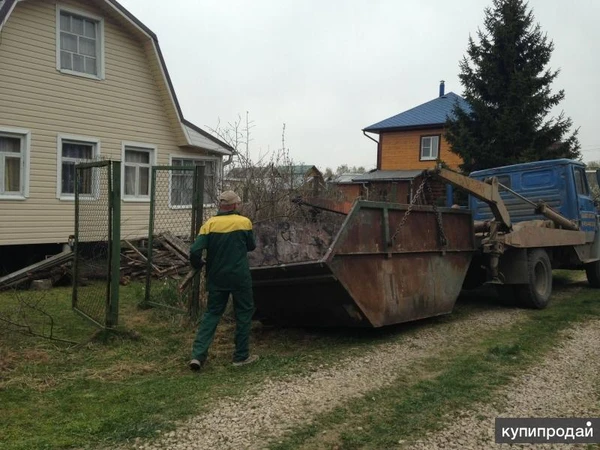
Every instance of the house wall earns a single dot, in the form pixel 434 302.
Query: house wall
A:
pixel 390 191
pixel 401 150
pixel 393 191
pixel 349 192
pixel 129 105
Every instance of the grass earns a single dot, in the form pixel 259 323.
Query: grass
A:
pixel 415 405
pixel 116 387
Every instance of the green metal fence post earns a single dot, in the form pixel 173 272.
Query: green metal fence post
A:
pixel 112 319
pixel 198 201
pixel 197 215
pixel 75 276
pixel 150 237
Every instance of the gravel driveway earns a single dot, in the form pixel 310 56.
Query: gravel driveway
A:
pixel 565 384
pixel 277 406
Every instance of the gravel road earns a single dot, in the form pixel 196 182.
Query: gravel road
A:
pixel 565 384
pixel 276 406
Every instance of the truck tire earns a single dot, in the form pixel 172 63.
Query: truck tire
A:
pixel 592 270
pixel 536 293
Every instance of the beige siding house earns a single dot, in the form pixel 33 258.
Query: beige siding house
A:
pixel 84 80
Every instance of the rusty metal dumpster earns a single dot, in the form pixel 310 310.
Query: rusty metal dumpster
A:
pixel 383 267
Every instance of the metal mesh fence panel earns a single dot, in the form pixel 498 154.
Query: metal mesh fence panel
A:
pixel 175 216
pixel 94 242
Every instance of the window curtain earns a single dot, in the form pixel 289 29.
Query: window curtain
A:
pixel 183 181
pixel 137 172
pixel 11 150
pixel 129 180
pixel 72 154
pixel 210 185
pixel 12 175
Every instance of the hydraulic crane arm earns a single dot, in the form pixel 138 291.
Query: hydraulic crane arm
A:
pixel 485 191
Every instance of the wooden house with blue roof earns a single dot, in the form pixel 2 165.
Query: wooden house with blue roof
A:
pixel 414 139
pixel 407 144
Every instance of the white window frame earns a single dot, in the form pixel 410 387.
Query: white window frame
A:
pixel 99 42
pixel 431 138
pixel 25 136
pixel 217 160
pixel 137 146
pixel 95 143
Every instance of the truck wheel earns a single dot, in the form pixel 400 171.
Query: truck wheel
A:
pixel 536 294
pixel 592 270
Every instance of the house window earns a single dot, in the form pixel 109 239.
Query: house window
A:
pixel 430 148
pixel 182 181
pixel 137 162
pixel 13 164
pixel 79 44
pixel 71 152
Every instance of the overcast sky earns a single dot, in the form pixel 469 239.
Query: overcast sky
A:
pixel 328 69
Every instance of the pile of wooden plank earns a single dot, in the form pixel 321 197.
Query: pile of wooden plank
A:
pixel 53 268
pixel 170 258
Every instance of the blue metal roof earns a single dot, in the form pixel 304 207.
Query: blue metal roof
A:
pixel 434 112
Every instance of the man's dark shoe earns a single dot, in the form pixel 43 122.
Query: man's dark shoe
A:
pixel 196 365
pixel 249 360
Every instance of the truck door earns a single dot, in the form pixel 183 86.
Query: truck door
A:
pixel 587 209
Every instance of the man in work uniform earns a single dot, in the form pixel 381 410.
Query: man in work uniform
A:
pixel 226 237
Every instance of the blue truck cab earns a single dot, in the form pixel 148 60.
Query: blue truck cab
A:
pixel 562 184
pixel 519 261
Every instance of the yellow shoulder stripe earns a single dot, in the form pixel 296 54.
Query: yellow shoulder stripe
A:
pixel 226 224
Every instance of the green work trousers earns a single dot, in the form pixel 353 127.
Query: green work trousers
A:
pixel 243 307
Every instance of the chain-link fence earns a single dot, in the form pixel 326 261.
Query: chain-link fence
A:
pixel 97 242
pixel 176 207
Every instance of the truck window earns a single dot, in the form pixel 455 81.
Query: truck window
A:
pixel 505 180
pixel 580 182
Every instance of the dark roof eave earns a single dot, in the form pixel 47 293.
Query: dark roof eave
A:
pixel 134 19
pixel 207 135
pixel 411 128
pixel 380 180
pixel 5 8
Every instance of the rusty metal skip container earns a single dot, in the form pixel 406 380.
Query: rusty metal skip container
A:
pixel 383 267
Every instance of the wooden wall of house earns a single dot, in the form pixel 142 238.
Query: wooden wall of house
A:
pixel 349 192
pixel 130 104
pixel 388 191
pixel 393 191
pixel 400 191
pixel 401 150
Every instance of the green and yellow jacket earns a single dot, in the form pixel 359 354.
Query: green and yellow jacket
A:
pixel 227 238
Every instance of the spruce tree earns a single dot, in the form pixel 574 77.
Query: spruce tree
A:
pixel 507 81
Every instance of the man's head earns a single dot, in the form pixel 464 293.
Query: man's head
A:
pixel 228 201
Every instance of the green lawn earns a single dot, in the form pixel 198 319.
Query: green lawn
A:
pixel 112 388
